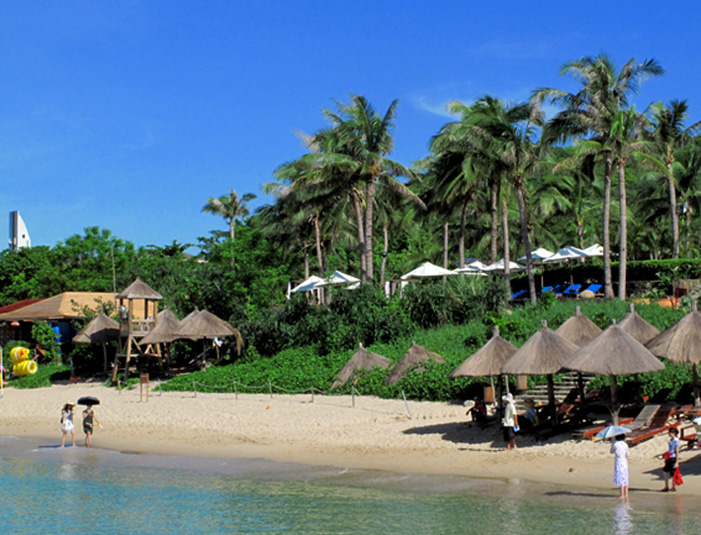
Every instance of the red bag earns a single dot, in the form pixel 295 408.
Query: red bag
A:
pixel 677 478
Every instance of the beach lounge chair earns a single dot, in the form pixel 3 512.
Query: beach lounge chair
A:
pixel 593 288
pixel 546 289
pixel 559 289
pixel 572 289
pixel 691 438
pixel 658 424
pixel 519 294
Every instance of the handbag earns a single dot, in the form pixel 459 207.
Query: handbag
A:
pixel 677 478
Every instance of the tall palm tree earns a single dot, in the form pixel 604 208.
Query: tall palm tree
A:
pixel 590 114
pixel 667 134
pixel 230 207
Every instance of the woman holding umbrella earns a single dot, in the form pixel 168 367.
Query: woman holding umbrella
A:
pixel 89 419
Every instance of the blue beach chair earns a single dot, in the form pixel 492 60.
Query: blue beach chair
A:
pixel 546 289
pixel 572 290
pixel 593 288
pixel 559 289
pixel 519 294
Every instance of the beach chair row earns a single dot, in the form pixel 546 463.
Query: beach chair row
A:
pixel 571 290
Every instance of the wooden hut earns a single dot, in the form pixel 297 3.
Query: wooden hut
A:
pixel 100 330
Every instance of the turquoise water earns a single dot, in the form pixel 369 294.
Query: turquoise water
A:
pixel 47 490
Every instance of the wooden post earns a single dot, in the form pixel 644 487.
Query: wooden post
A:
pixel 143 380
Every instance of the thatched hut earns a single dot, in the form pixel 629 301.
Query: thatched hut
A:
pixel 203 325
pixel 412 359
pixel 100 330
pixel 165 330
pixel 637 327
pixel 681 343
pixel 362 359
pixel 614 352
pixel 542 354
pixel 579 329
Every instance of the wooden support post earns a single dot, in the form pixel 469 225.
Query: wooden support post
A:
pixel 143 380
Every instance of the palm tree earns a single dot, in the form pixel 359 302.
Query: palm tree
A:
pixel 668 133
pixel 590 114
pixel 230 207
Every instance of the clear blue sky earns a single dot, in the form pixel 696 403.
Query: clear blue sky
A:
pixel 127 115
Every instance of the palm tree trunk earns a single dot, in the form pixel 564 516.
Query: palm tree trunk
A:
pixel 461 241
pixel 369 202
pixel 526 242
pixel 361 236
pixel 673 207
pixel 505 231
pixel 446 230
pixel 317 244
pixel 608 286
pixel 623 246
pixel 385 251
pixel 494 229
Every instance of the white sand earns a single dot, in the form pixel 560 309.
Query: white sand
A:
pixel 375 434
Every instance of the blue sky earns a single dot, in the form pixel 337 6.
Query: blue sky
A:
pixel 128 115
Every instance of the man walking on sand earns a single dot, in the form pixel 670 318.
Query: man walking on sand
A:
pixel 510 421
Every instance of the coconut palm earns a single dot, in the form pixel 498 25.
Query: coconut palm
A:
pixel 590 114
pixel 230 207
pixel 667 134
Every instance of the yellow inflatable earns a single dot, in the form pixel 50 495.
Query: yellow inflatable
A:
pixel 18 354
pixel 26 367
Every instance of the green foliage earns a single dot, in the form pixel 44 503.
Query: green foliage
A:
pixel 45 336
pixel 45 376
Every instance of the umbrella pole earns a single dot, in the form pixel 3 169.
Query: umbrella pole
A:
pixel 614 400
pixel 104 355
pixel 494 393
pixel 697 387
pixel 580 385
pixel 551 398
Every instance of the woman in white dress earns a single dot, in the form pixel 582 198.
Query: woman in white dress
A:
pixel 67 423
pixel 620 468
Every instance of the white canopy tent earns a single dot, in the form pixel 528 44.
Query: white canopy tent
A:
pixel 566 253
pixel 307 285
pixel 427 270
pixel 337 277
pixel 594 250
pixel 538 256
pixel 499 266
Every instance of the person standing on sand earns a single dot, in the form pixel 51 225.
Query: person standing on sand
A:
pixel 89 421
pixel 67 423
pixel 671 456
pixel 620 468
pixel 510 421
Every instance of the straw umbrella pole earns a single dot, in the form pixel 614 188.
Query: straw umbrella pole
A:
pixel 416 355
pixel 614 352
pixel 637 327
pixel 362 359
pixel 100 330
pixel 542 354
pixel 681 343
pixel 487 361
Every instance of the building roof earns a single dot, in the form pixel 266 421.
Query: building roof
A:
pixel 17 305
pixel 64 306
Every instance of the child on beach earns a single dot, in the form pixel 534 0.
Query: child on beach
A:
pixel 671 456
pixel 620 468
pixel 89 421
pixel 67 423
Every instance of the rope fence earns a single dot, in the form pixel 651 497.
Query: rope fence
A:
pixel 270 389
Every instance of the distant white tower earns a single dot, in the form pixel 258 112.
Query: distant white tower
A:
pixel 19 236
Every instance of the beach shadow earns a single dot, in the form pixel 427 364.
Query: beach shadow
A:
pixel 458 433
pixel 579 494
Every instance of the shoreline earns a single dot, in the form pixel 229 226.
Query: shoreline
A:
pixel 376 434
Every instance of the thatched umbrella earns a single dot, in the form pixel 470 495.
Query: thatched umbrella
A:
pixel 681 343
pixel 165 330
pixel 362 359
pixel 542 354
pixel 614 352
pixel 201 324
pixel 488 360
pixel 411 358
pixel 100 330
pixel 637 327
pixel 579 330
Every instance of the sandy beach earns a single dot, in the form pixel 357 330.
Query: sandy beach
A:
pixel 375 434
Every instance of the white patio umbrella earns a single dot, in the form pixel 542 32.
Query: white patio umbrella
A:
pixel 472 267
pixel 337 277
pixel 499 266
pixel 427 270
pixel 538 256
pixel 566 253
pixel 594 250
pixel 307 285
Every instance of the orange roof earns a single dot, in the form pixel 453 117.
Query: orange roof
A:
pixel 59 307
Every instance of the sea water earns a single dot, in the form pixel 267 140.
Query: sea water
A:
pixel 45 489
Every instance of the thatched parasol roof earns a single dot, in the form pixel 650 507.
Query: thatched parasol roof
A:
pixel 579 329
pixel 99 330
pixel 543 353
pixel 165 329
pixel 613 352
pixel 488 360
pixel 362 359
pixel 681 343
pixel 203 324
pixel 637 327
pixel 414 356
pixel 139 290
